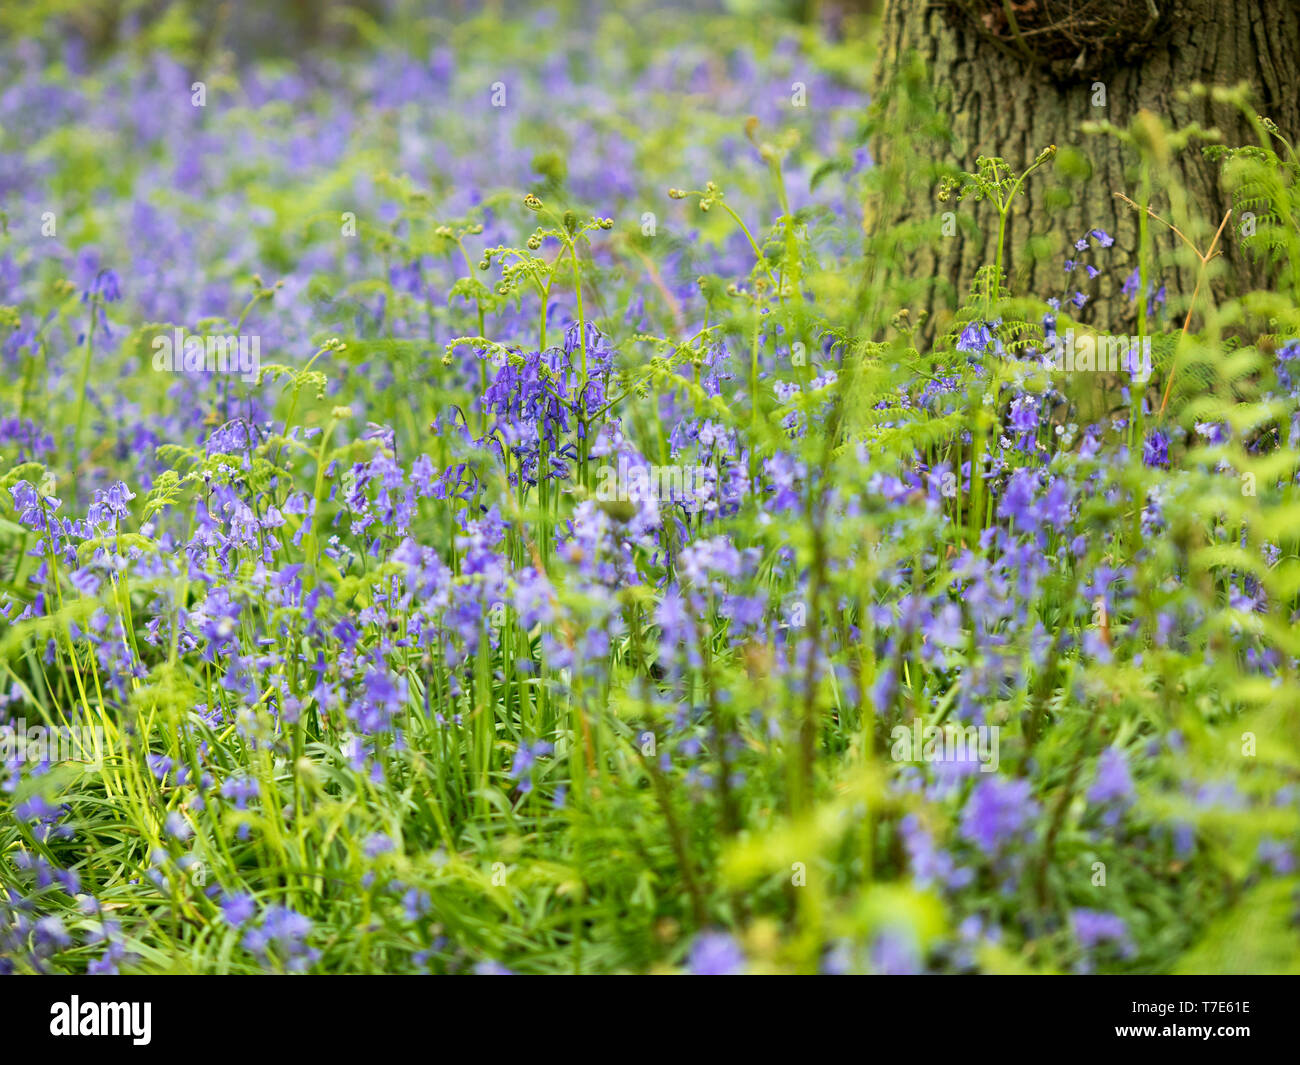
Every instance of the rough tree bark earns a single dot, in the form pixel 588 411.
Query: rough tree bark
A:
pixel 1001 104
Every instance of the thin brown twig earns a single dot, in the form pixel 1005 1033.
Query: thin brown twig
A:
pixel 1181 235
pixel 1191 306
pixel 1205 259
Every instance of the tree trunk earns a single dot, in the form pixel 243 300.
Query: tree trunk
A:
pixel 1000 103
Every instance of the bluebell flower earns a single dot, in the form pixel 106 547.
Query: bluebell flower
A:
pixel 997 813
pixel 715 954
pixel 1093 928
pixel 237 908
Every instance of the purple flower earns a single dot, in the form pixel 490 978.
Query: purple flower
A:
pixel 177 827
pixel 1113 782
pixel 51 933
pixel 1287 355
pixel 282 936
pixel 997 812
pixel 380 700
pixel 975 338
pixel 1092 928
pixel 525 758
pixel 930 864
pixel 895 953
pixel 237 909
pixel 715 954
pixel 1277 856
pixel 1155 451
pixel 1024 414
pixel 378 844
pixel 1215 433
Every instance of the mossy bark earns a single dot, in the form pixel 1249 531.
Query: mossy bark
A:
pixel 1001 104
